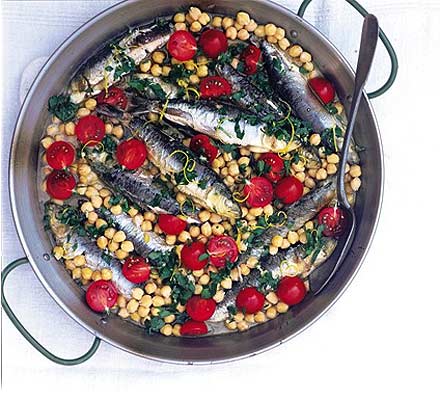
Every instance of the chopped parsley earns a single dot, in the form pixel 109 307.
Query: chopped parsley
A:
pixel 62 107
pixel 142 85
pixel 267 282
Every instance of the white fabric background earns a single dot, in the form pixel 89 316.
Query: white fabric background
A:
pixel 380 340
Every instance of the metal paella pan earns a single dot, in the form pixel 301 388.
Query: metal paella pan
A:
pixel 28 216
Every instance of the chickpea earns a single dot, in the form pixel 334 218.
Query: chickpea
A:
pixel 86 273
pixel 217 22
pixel 272 39
pixel 194 231
pixel 76 273
pixel 158 57
pixel 305 57
pixel 243 34
pixel 270 29
pixel 121 254
pixel 196 26
pixel 202 71
pixel 158 301
pixel 355 184
pixel 271 312
pixel 206 229
pixel 292 237
pixel 113 246
pixel 231 33
pixel 132 306
pixel 295 51
pixel 331 169
pixel 315 139
pixel 118 131
pixel 277 240
pixel 171 239
pixel 198 289
pixel 47 141
pixel 204 19
pixel 309 183
pixel 184 237
pixel 204 279
pixel 137 293
pixel 106 274
pixel 226 283
pixel 256 211
pixel 273 250
pixel 227 22
pixel 218 229
pixel 123 313
pixel 231 325
pixel 239 317
pixel 176 329
pixel 87 207
pixel 280 33
pixel 179 17
pixel 127 246
pixel 333 158
pixel 204 215
pixel 150 287
pixel 119 236
pixel 156 70
pixel 69 128
pixel 355 171
pixel 251 26
pixel 282 307
pixel 321 174
pixel 243 18
pixel 180 26
pixel 284 44
pixel 339 107
pixel 83 112
pixel 195 13
pixel 90 104
pixel 165 291
pixel 260 317
pixel 259 31
pixel 272 298
pixel 102 242
pixel 303 238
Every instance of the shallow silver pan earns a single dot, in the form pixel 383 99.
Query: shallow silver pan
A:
pixel 24 187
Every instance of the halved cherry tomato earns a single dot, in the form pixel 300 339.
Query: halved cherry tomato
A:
pixel 60 154
pixel 194 256
pixel 101 295
pixel 221 249
pixel 323 89
pixel 334 220
pixel 182 45
pixel 214 86
pixel 250 57
pixel 193 328
pixel 289 189
pixel 200 309
pixel 291 290
pixel 201 144
pixel 90 130
pixel 250 300
pixel 276 165
pixel 131 153
pixel 213 42
pixel 60 184
pixel 170 224
pixel 136 269
pixel 114 96
pixel 258 192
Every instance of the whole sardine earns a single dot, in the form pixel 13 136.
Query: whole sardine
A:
pixel 292 261
pixel 144 242
pixel 116 60
pixel 75 245
pixel 194 179
pixel 246 94
pixel 225 123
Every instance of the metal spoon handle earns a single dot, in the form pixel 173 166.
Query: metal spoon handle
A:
pixel 370 33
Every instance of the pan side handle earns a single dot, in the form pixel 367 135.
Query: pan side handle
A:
pixel 67 362
pixel 383 38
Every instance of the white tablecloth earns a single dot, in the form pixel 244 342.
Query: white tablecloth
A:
pixel 380 340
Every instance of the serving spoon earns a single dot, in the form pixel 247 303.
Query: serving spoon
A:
pixel 370 33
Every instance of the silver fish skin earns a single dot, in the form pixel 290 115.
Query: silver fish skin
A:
pixel 99 71
pixel 75 245
pixel 138 186
pixel 205 117
pixel 169 156
pixel 298 214
pixel 279 265
pixel 252 97
pixel 170 91
pixel 292 87
pixel 135 234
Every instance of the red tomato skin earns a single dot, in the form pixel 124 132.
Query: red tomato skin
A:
pixel 250 300
pixel 136 269
pixel 60 184
pixel 200 309
pixel 224 245
pixel 131 153
pixel 291 290
pixel 334 220
pixel 190 256
pixel 182 45
pixel 323 89
pixel 170 224
pixel 60 154
pixel 213 42
pixel 193 328
pixel 90 130
pixel 114 96
pixel 214 86
pixel 276 164
pixel 258 192
pixel 289 189
pixel 101 295
pixel 250 57
pixel 201 144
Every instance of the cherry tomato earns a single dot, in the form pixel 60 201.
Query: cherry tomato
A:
pixel 182 45
pixel 136 269
pixel 171 225
pixel 250 300
pixel 334 220
pixel 200 309
pixel 114 96
pixel 131 153
pixel 258 192
pixel 60 154
pixel 90 130
pixel 101 295
pixel 276 166
pixel 250 57
pixel 291 290
pixel 193 328
pixel 323 89
pixel 214 86
pixel 221 249
pixel 60 184
pixel 289 189
pixel 213 42
pixel 194 256
pixel 201 144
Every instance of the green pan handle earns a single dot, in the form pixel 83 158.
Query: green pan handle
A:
pixel 28 336
pixel 383 37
